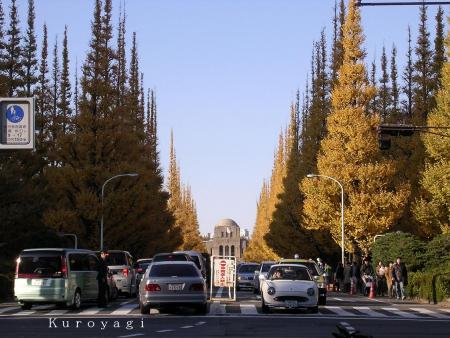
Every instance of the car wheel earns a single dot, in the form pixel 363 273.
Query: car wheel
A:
pixel 314 309
pixel 264 307
pixel 145 309
pixel 76 303
pixel 26 306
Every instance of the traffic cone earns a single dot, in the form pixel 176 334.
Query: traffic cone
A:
pixel 372 290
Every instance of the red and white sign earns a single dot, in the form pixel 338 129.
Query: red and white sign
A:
pixel 224 272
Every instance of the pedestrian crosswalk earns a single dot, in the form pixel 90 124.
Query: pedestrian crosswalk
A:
pixel 248 308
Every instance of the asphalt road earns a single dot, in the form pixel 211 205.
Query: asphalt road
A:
pixel 243 318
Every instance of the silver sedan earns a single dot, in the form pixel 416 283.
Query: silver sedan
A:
pixel 172 284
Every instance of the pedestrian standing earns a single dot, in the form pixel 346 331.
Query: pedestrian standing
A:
pixel 381 279
pixel 340 277
pixel 347 276
pixel 102 279
pixel 400 275
pixel 389 280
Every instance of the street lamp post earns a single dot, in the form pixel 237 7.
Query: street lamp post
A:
pixel 75 239
pixel 342 210
pixel 103 193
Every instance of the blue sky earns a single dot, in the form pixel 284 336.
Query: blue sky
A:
pixel 225 73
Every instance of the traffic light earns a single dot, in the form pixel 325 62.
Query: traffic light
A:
pixel 385 131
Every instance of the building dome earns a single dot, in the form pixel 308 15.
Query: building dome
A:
pixel 227 222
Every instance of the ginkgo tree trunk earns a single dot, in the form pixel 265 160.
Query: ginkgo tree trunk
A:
pixel 374 200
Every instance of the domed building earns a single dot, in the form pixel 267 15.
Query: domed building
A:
pixel 227 240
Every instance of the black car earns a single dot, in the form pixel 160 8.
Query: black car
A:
pixel 140 266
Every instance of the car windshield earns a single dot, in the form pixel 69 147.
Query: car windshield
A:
pixel 143 266
pixel 116 258
pixel 289 273
pixel 40 264
pixel 266 267
pixel 248 268
pixel 173 270
pixel 170 257
pixel 312 267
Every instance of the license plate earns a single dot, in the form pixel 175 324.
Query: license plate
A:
pixel 291 303
pixel 40 282
pixel 175 287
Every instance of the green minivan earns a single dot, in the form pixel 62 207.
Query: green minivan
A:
pixel 66 277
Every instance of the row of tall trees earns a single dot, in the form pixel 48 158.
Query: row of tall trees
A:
pixel 182 206
pixel 92 127
pixel 333 133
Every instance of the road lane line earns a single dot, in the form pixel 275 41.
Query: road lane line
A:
pixel 339 311
pixel 248 309
pixel 200 323
pixel 11 308
pixel 429 312
pixel 25 313
pixel 132 335
pixel 217 308
pixel 57 312
pixel 43 307
pixel 368 311
pixel 162 331
pixel 123 310
pixel 399 312
pixel 187 327
pixel 127 302
pixel 90 311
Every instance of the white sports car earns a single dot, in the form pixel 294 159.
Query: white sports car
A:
pixel 289 286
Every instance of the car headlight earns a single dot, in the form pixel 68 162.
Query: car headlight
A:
pixel 271 291
pixel 321 285
pixel 310 292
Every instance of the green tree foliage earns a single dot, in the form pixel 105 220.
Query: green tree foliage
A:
pixel 399 244
pixel 107 140
pixel 385 90
pixel 29 52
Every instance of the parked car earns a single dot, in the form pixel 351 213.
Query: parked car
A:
pixel 289 286
pixel 317 274
pixel 120 263
pixel 113 292
pixel 140 266
pixel 170 256
pixel 260 275
pixel 198 259
pixel 57 276
pixel 245 275
pixel 173 284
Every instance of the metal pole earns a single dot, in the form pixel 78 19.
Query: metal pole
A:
pixel 342 212
pixel 103 193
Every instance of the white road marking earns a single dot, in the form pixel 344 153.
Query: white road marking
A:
pixel 132 335
pixel 25 313
pixel 154 311
pixel 10 308
pixel 123 310
pixel 162 331
pixel 126 302
pixel 57 312
pixel 429 312
pixel 43 307
pixel 90 311
pixel 200 323
pixel 217 308
pixel 376 300
pixel 340 311
pixel 368 311
pixel 248 309
pixel 339 299
pixel 187 327
pixel 399 312
pixel 445 310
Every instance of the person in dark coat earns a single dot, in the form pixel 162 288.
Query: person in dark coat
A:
pixel 340 277
pixel 102 279
pixel 400 276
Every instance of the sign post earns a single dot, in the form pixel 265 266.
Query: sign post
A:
pixel 223 275
pixel 17 123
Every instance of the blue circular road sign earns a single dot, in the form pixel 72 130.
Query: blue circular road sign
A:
pixel 14 113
